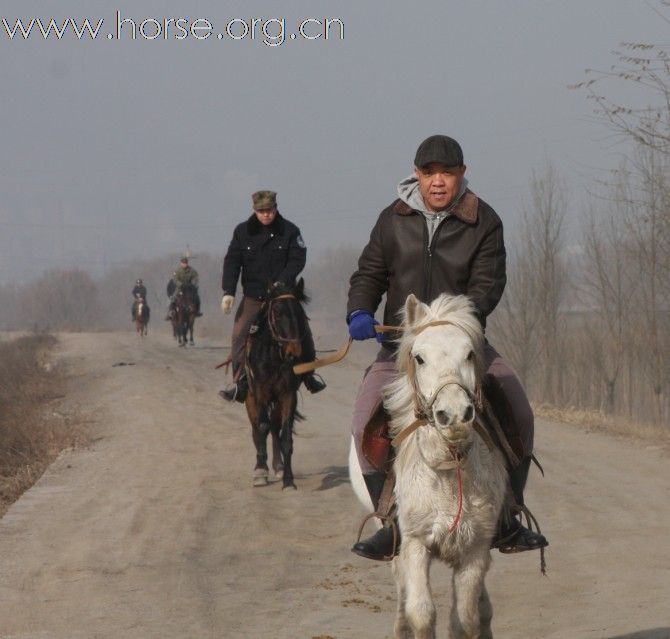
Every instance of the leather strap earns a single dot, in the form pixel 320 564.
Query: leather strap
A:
pixel 386 501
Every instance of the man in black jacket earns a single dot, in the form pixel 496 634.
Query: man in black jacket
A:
pixel 438 237
pixel 267 248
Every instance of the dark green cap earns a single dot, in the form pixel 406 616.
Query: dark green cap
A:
pixel 264 200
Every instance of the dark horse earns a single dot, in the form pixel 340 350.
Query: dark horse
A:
pixel 184 314
pixel 273 347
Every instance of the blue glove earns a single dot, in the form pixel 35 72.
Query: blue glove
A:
pixel 362 325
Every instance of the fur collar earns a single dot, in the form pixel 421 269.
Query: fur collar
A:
pixel 465 210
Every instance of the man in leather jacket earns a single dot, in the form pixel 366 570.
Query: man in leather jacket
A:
pixel 438 237
pixel 267 248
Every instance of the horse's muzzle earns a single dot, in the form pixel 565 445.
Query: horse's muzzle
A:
pixel 447 417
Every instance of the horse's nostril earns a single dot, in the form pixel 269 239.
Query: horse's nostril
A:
pixel 442 417
pixel 468 414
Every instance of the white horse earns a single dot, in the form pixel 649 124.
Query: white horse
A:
pixel 450 483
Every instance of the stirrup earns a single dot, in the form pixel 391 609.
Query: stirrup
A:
pixel 508 545
pixel 393 526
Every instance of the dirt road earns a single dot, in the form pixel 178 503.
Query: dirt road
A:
pixel 155 531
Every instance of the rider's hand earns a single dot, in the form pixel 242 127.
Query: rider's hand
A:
pixel 227 302
pixel 362 325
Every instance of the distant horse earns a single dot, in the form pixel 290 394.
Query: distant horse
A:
pixel 272 350
pixel 184 314
pixel 141 316
pixel 450 481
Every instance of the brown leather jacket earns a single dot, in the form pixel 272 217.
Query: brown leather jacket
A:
pixel 466 256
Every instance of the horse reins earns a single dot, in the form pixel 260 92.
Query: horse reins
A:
pixel 308 367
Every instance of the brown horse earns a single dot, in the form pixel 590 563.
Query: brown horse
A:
pixel 273 347
pixel 141 316
pixel 184 314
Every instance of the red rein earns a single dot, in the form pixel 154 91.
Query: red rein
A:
pixel 460 500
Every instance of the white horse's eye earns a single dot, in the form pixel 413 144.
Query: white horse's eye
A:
pixel 419 359
pixel 471 354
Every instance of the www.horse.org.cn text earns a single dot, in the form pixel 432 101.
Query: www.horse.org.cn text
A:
pixel 271 32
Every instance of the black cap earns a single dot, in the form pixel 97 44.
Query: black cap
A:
pixel 439 148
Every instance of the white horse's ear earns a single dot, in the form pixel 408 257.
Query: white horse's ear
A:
pixel 414 309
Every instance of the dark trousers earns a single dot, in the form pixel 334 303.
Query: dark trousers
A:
pixel 244 318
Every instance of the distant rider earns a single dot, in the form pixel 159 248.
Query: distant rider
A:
pixel 184 276
pixel 139 292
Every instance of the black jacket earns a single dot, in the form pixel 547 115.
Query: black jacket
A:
pixel 140 290
pixel 466 256
pixel 263 254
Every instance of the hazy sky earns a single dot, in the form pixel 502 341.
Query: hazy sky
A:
pixel 113 150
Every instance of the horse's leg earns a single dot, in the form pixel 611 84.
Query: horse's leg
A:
pixel 190 327
pixel 468 585
pixel 419 607
pixel 260 427
pixel 402 629
pixel 287 413
pixel 485 614
pixel 277 461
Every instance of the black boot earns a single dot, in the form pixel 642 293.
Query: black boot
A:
pixel 313 383
pixel 237 392
pixel 512 535
pixel 379 546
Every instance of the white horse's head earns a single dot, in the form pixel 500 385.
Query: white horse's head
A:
pixel 441 353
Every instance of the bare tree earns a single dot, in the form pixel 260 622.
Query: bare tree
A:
pixel 515 322
pixel 528 322
pixel 645 67
pixel 648 226
pixel 608 284
pixel 546 238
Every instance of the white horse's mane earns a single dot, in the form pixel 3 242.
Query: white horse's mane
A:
pixel 456 309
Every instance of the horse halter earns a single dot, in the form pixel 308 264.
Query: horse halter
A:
pixel 272 320
pixel 423 405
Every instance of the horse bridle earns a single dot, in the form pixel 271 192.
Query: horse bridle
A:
pixel 422 405
pixel 273 322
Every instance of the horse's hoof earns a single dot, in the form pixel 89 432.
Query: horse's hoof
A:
pixel 289 485
pixel 260 477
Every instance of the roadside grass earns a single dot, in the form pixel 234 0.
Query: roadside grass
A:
pixel 593 420
pixel 32 430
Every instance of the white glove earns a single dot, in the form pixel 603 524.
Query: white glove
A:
pixel 227 302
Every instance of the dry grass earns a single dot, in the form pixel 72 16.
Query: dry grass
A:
pixel 597 421
pixel 32 431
